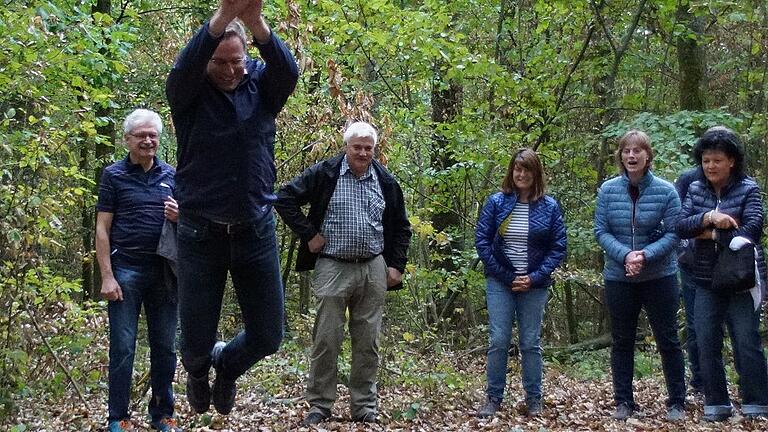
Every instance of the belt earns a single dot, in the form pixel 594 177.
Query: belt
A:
pixel 350 260
pixel 217 226
pixel 228 228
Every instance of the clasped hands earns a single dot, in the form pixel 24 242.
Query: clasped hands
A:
pixel 634 262
pixel 521 284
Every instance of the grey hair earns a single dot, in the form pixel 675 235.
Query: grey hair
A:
pixel 236 29
pixel 142 116
pixel 361 130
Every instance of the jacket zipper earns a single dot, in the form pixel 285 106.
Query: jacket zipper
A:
pixel 717 209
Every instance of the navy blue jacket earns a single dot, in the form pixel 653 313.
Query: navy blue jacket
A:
pixel 226 170
pixel 623 226
pixel 740 199
pixel 546 239
pixel 316 185
pixel 685 248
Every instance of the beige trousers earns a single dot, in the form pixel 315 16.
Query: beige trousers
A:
pixel 338 287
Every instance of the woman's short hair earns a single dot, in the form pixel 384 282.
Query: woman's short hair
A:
pixel 142 116
pixel 641 139
pixel 720 138
pixel 361 130
pixel 528 159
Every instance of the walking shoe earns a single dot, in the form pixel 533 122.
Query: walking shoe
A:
pixel 369 417
pixel 198 393
pixel 167 424
pixel 224 390
pixel 676 413
pixel 120 425
pixel 623 412
pixel 534 407
pixel 715 417
pixel 489 409
pixel 314 417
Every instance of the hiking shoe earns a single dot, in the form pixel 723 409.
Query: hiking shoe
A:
pixel 489 409
pixel 120 425
pixel 198 393
pixel 676 413
pixel 534 408
pixel 314 417
pixel 224 390
pixel 167 424
pixel 711 418
pixel 623 412
pixel 369 417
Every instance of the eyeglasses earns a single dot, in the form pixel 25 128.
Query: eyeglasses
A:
pixel 144 135
pixel 234 63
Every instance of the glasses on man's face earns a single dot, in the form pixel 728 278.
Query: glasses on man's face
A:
pixel 234 63
pixel 144 135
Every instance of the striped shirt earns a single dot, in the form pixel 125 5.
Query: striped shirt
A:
pixel 516 238
pixel 352 225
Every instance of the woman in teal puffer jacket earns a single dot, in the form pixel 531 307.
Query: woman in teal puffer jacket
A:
pixel 635 225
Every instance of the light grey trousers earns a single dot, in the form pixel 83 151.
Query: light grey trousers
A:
pixel 360 288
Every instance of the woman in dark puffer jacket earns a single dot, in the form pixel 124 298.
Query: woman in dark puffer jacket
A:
pixel 521 239
pixel 725 205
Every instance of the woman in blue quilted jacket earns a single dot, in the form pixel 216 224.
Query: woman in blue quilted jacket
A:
pixel 725 205
pixel 635 226
pixel 521 239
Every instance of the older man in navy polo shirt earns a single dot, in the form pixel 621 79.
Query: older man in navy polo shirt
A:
pixel 135 199
pixel 224 106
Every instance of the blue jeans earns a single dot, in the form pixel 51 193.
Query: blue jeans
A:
pixel 691 347
pixel 207 252
pixel 737 312
pixel 504 307
pixel 660 298
pixel 142 283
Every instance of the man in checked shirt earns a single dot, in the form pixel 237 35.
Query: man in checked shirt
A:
pixel 355 235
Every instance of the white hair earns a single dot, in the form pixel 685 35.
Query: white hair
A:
pixel 142 116
pixel 361 130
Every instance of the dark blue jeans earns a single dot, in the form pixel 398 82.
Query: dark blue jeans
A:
pixel 660 298
pixel 142 283
pixel 737 312
pixel 691 347
pixel 207 252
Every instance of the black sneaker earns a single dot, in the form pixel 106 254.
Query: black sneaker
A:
pixel 224 390
pixel 623 412
pixel 198 393
pixel 369 417
pixel 314 417
pixel 534 408
pixel 489 409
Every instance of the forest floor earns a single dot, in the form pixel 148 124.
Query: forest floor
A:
pixel 419 390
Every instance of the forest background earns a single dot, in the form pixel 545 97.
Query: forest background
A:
pixel 455 87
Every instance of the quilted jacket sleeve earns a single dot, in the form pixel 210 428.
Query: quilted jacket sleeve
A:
pixel 484 238
pixel 556 249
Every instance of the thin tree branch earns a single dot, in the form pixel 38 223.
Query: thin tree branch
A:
pixel 602 23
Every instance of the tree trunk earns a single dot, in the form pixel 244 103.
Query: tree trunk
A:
pixel 691 59
pixel 91 280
